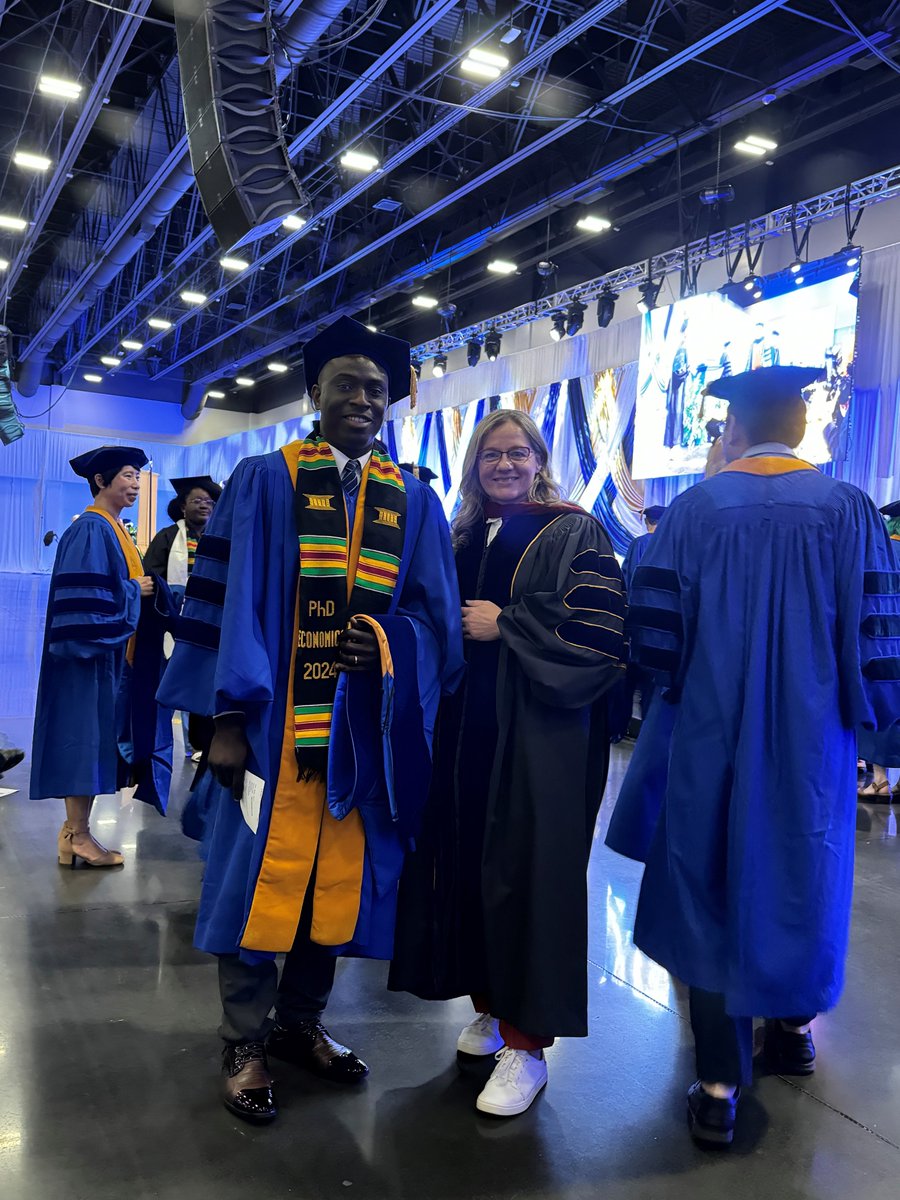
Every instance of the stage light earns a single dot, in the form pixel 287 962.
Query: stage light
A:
pixel 90 377
pixel 558 330
pixel 15 224
pixel 593 224
pixel 473 352
pixel 439 366
pixel 109 361
pixel 500 266
pixel 574 317
pixel 356 160
pixel 492 341
pixel 277 368
pixel 65 89
pixel 796 266
pixel 649 294
pixel 193 297
pixel 853 254
pixel 130 344
pixel 233 264
pixel 749 283
pixel 159 323
pixel 32 162
pixel 606 306
pixel 293 222
pixel 757 295
pixel 798 279
pixel 484 64
pixel 215 394
pixel 723 194
pixel 423 301
pixel 244 381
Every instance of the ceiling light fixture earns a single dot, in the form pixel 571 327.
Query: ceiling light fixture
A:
pixel 244 381
pixel 293 222
pixel 130 344
pixel 484 64
pixel 593 224
pixel 159 323
pixel 33 162
pixel 501 266
pixel 372 328
pixel 215 394
pixel 193 297
pixel 753 144
pixel 606 306
pixel 65 89
pixel 748 148
pixel 233 264
pixel 16 224
pixel 277 368
pixel 492 341
pixel 439 367
pixel 356 160
pixel 764 143
pixel 558 331
pixel 109 360
pixel 423 301
pixel 575 317
pixel 4 264
pixel 473 352
pixel 90 377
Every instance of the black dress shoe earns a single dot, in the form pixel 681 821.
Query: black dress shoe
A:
pixel 788 1053
pixel 246 1082
pixel 309 1045
pixel 710 1120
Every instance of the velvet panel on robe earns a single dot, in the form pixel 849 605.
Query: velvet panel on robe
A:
pixel 233 654
pixel 92 611
pixel 883 746
pixel 495 898
pixel 769 604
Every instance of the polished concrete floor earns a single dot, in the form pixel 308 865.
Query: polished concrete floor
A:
pixel 109 1060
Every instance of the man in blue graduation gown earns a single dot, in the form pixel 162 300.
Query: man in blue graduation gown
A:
pixel 323 671
pixel 768 604
pixel 639 545
pixel 82 716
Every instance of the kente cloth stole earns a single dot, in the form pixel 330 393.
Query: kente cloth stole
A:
pixel 132 557
pixel 342 572
pixel 191 540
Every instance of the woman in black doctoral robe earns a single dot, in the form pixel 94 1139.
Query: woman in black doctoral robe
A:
pixel 493 902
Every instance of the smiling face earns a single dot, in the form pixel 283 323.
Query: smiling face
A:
pixel 351 396
pixel 198 506
pixel 506 481
pixel 123 490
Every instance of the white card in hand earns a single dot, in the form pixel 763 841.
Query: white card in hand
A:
pixel 252 799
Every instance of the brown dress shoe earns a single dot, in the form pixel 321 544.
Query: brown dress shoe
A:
pixel 310 1045
pixel 77 844
pixel 246 1082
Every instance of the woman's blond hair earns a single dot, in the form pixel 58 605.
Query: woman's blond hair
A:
pixel 544 490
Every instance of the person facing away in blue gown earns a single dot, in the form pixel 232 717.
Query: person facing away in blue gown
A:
pixel 882 750
pixel 323 670
pixel 768 604
pixel 638 680
pixel 93 609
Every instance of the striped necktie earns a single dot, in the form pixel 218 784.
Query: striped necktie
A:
pixel 350 477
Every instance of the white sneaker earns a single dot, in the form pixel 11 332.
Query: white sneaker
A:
pixel 516 1080
pixel 481 1036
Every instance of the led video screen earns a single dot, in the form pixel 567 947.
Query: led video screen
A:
pixel 695 341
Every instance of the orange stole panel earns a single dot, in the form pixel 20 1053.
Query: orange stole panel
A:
pixel 303 833
pixel 769 465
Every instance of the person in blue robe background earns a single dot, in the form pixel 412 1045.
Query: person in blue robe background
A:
pixel 93 609
pixel 768 603
pixel 638 680
pixel 882 749
pixel 342 783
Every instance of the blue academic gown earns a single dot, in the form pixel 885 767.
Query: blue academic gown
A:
pixel 883 747
pixel 769 606
pixel 92 610
pixel 633 556
pixel 232 654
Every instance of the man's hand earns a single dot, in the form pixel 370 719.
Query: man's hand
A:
pixel 146 582
pixel 358 647
pixel 479 620
pixel 228 753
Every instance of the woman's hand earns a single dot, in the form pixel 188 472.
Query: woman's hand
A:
pixel 479 620
pixel 146 582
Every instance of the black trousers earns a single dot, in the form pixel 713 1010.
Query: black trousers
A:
pixel 251 990
pixel 724 1044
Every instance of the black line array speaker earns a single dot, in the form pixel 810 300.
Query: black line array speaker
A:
pixel 229 90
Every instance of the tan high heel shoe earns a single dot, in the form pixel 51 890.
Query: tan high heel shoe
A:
pixel 79 843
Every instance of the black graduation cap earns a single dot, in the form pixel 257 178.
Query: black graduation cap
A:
pixel 346 336
pixel 767 386
pixel 891 510
pixel 424 474
pixel 183 487
pixel 653 513
pixel 107 458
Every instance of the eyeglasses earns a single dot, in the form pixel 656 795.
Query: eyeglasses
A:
pixel 517 456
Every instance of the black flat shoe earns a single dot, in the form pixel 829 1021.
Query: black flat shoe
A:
pixel 246 1082
pixel 788 1053
pixel 710 1120
pixel 310 1045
